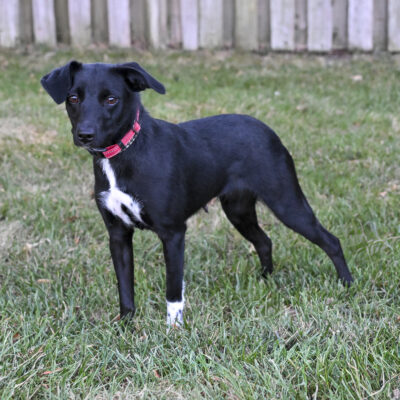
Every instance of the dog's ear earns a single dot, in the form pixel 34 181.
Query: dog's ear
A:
pixel 138 79
pixel 58 81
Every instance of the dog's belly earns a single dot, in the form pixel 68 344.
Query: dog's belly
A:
pixel 118 203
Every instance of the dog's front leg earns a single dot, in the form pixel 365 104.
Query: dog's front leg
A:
pixel 174 247
pixel 122 256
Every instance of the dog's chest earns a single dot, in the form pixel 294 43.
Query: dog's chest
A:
pixel 118 203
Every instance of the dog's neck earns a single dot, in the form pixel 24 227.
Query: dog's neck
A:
pixel 126 140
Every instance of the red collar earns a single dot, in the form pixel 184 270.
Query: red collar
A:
pixel 125 142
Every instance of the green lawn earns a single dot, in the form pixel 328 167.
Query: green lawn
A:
pixel 299 335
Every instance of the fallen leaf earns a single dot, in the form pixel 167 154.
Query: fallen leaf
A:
pixel 16 337
pixel 116 318
pixel 28 248
pixel 43 280
pixel 51 372
pixel 357 78
pixel 301 107
pixel 156 374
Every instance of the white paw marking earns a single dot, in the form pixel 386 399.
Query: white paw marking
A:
pixel 175 313
pixel 175 310
pixel 113 199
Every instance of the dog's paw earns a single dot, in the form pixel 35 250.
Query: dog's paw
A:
pixel 175 314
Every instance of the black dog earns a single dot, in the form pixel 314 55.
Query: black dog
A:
pixel 152 174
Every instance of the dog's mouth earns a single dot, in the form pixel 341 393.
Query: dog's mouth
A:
pixel 94 150
pixel 99 149
pixel 88 146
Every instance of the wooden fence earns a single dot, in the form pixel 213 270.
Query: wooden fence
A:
pixel 258 25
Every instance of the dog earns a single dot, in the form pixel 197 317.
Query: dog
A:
pixel 152 174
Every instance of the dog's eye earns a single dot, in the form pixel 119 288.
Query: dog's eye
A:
pixel 73 99
pixel 111 100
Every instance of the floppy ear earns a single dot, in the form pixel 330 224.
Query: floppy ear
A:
pixel 58 81
pixel 138 79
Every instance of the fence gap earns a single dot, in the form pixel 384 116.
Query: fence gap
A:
pixel 139 22
pixel 62 22
pixel 246 29
pixel 300 25
pixel 99 21
pixel 264 28
pixel 229 23
pixel 380 25
pixel 174 24
pixel 339 24
pixel 25 22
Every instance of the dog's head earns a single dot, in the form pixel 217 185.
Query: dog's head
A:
pixel 101 99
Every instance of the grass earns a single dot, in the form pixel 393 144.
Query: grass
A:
pixel 299 335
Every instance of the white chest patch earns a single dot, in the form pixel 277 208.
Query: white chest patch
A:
pixel 114 199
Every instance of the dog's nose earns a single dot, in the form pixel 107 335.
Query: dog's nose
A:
pixel 85 137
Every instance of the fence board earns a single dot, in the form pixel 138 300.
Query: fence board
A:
pixel 264 28
pixel 153 20
pixel 319 25
pixel 80 22
pixel 99 21
pixel 282 24
pixel 360 25
pixel 138 22
pixel 174 23
pixel 44 22
pixel 380 25
pixel 190 27
pixel 394 25
pixel 119 30
pixel 246 29
pixel 162 24
pixel 9 23
pixel 339 24
pixel 210 23
pixel 229 23
pixel 300 25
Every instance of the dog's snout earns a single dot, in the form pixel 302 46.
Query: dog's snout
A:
pixel 85 136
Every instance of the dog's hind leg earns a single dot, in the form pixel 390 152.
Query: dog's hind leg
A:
pixel 241 212
pixel 283 195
